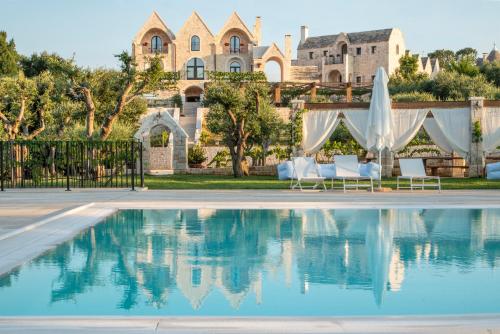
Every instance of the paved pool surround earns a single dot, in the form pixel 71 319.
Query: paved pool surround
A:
pixel 34 221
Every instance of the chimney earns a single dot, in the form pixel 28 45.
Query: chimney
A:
pixel 257 30
pixel 288 46
pixel 304 34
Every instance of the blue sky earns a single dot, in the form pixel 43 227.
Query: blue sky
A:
pixel 94 30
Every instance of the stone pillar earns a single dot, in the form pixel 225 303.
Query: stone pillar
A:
pixel 476 154
pixel 387 163
pixel 313 92
pixel 348 92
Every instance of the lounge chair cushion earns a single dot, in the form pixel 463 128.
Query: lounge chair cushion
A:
pixel 370 169
pixel 285 170
pixel 494 167
pixel 327 170
pixel 495 175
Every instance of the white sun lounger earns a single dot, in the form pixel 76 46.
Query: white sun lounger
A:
pixel 347 169
pixel 306 170
pixel 413 169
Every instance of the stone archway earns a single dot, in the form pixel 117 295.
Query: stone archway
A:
pixel 279 62
pixel 335 76
pixel 174 156
pixel 193 94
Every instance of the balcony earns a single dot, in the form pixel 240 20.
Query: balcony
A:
pixel 234 51
pixel 334 60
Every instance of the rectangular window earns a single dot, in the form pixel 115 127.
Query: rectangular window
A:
pixel 311 55
pixel 373 78
pixel 325 53
pixel 358 51
pixel 374 49
pixel 358 80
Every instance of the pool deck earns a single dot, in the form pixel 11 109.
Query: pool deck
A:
pixel 32 221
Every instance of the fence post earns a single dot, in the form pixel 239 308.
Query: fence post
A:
pixel 67 166
pixel 141 165
pixel 1 166
pixel 134 164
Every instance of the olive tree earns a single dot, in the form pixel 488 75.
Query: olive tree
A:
pixel 236 102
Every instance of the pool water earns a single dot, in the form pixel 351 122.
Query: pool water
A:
pixel 267 263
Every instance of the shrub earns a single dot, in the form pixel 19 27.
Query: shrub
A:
pixel 196 155
pixel 413 97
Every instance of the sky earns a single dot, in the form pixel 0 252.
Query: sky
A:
pixel 94 30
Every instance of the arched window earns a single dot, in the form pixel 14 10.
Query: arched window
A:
pixel 397 49
pixel 195 43
pixel 195 69
pixel 156 44
pixel 235 67
pixel 234 44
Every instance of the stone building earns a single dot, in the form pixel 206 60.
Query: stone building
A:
pixel 195 49
pixel 348 57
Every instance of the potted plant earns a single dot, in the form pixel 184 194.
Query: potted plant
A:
pixel 196 156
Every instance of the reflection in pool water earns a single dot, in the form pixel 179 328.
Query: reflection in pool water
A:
pixel 267 262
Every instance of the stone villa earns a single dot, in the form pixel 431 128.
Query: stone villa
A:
pixel 348 57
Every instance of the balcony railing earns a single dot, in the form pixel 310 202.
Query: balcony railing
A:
pixel 334 61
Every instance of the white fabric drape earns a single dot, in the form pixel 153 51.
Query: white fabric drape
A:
pixel 491 129
pixel 406 123
pixel 437 136
pixel 317 127
pixel 355 121
pixel 455 126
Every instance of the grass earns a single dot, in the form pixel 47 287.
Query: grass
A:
pixel 270 182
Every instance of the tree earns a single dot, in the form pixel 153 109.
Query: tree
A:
pixel 466 52
pixel 408 67
pixel 65 101
pixel 269 128
pixel 492 72
pixel 24 104
pixel 235 101
pixel 133 84
pixel 454 86
pixel 465 64
pixel 445 57
pixel 8 56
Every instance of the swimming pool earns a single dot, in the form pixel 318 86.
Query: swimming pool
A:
pixel 267 263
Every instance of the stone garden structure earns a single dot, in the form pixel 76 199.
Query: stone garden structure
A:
pixel 173 157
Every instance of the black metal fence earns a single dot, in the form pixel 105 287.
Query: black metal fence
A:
pixel 71 164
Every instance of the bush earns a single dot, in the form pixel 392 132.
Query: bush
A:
pixel 413 97
pixel 221 159
pixel 196 155
pixel 459 87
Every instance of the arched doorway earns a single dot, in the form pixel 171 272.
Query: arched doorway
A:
pixel 342 52
pixel 335 76
pixel 273 69
pixel 193 94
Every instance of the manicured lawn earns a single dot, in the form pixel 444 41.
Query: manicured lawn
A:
pixel 270 182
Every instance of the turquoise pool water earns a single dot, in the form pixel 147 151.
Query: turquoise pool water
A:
pixel 267 263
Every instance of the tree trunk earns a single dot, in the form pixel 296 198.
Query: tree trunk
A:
pixel 107 125
pixel 89 104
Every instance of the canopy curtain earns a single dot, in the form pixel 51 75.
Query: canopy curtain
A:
pixel 437 136
pixel 491 129
pixel 454 125
pixel 356 121
pixel 406 123
pixel 317 127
